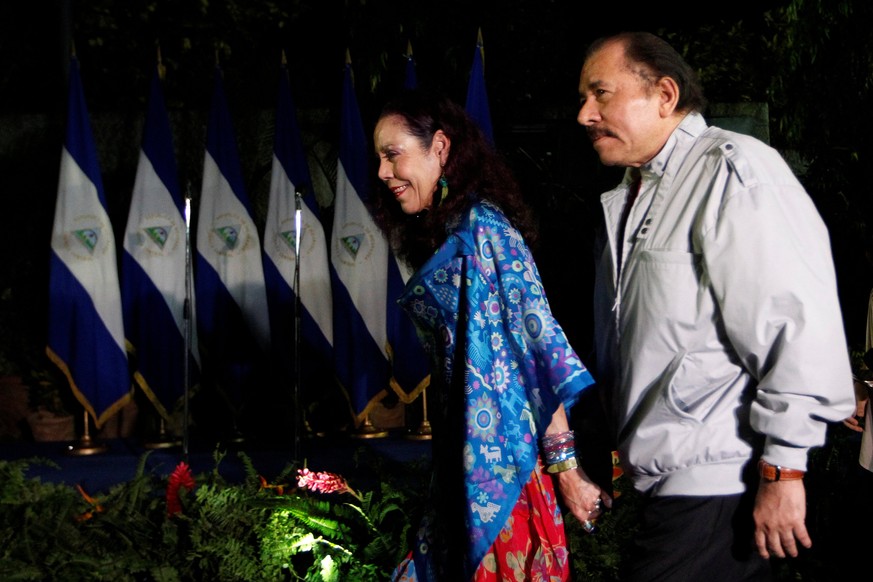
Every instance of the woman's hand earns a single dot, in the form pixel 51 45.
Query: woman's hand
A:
pixel 584 498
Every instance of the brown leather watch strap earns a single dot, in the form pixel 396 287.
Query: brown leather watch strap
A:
pixel 770 472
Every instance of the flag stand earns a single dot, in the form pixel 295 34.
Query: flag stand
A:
pixel 163 441
pixel 369 431
pixel 86 446
pixel 423 432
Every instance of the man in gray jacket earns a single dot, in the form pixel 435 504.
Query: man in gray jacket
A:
pixel 720 341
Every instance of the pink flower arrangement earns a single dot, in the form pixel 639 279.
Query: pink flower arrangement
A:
pixel 180 477
pixel 323 482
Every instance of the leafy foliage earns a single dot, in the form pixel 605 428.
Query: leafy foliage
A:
pixel 254 530
pixel 226 531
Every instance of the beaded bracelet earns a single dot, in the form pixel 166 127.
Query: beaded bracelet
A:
pixel 558 447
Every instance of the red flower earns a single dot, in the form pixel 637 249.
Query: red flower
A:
pixel 181 477
pixel 95 506
pixel 280 488
pixel 323 482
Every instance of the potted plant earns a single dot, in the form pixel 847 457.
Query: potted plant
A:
pixel 50 418
pixel 13 390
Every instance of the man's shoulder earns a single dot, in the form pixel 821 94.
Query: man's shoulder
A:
pixel 728 140
pixel 746 155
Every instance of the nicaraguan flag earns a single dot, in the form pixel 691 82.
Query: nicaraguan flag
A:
pixel 409 363
pixel 86 332
pixel 154 270
pixel 359 254
pixel 232 316
pixel 290 176
pixel 477 96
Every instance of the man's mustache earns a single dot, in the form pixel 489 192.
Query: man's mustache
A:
pixel 598 132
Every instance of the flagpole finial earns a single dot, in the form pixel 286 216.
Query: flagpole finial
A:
pixel 409 49
pixel 480 46
pixel 348 57
pixel 162 70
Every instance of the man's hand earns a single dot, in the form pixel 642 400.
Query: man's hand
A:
pixel 861 400
pixel 780 511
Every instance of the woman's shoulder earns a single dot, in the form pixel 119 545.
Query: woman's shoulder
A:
pixel 485 212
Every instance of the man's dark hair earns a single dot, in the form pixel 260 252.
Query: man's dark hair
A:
pixel 658 59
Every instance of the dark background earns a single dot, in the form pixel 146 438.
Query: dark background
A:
pixel 810 64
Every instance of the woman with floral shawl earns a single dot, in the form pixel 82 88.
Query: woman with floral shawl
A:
pixel 503 371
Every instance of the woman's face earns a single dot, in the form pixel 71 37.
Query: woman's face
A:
pixel 409 170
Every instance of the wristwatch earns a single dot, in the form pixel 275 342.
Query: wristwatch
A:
pixel 770 472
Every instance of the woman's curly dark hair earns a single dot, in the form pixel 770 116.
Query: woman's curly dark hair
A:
pixel 474 171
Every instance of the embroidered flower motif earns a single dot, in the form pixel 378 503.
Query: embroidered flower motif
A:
pixel 180 477
pixel 440 276
pixel 539 325
pixel 501 377
pixel 493 309
pixel 514 295
pixel 484 419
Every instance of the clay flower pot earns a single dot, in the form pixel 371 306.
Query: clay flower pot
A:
pixel 47 426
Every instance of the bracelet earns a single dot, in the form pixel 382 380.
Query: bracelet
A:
pixel 558 447
pixel 570 463
pixel 770 472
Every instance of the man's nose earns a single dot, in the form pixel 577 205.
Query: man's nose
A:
pixel 587 113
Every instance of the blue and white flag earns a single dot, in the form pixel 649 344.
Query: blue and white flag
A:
pixel 359 254
pixel 409 363
pixel 477 97
pixel 290 178
pixel 154 271
pixel 86 331
pixel 232 317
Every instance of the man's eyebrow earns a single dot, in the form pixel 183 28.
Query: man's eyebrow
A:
pixel 595 84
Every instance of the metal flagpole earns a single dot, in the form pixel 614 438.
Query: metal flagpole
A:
pixel 187 314
pixel 298 228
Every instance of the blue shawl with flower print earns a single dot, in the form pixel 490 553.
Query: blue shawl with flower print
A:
pixel 519 366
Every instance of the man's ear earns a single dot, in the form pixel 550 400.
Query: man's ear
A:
pixel 442 144
pixel 668 93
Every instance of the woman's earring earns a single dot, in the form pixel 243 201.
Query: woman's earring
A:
pixel 444 185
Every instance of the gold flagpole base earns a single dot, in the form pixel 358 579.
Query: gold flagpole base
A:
pixel 163 441
pixel 422 433
pixel 368 431
pixel 86 446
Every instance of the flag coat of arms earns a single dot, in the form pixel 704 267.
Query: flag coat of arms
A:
pixel 232 316
pixel 359 255
pixel 86 331
pixel 289 178
pixel 154 270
